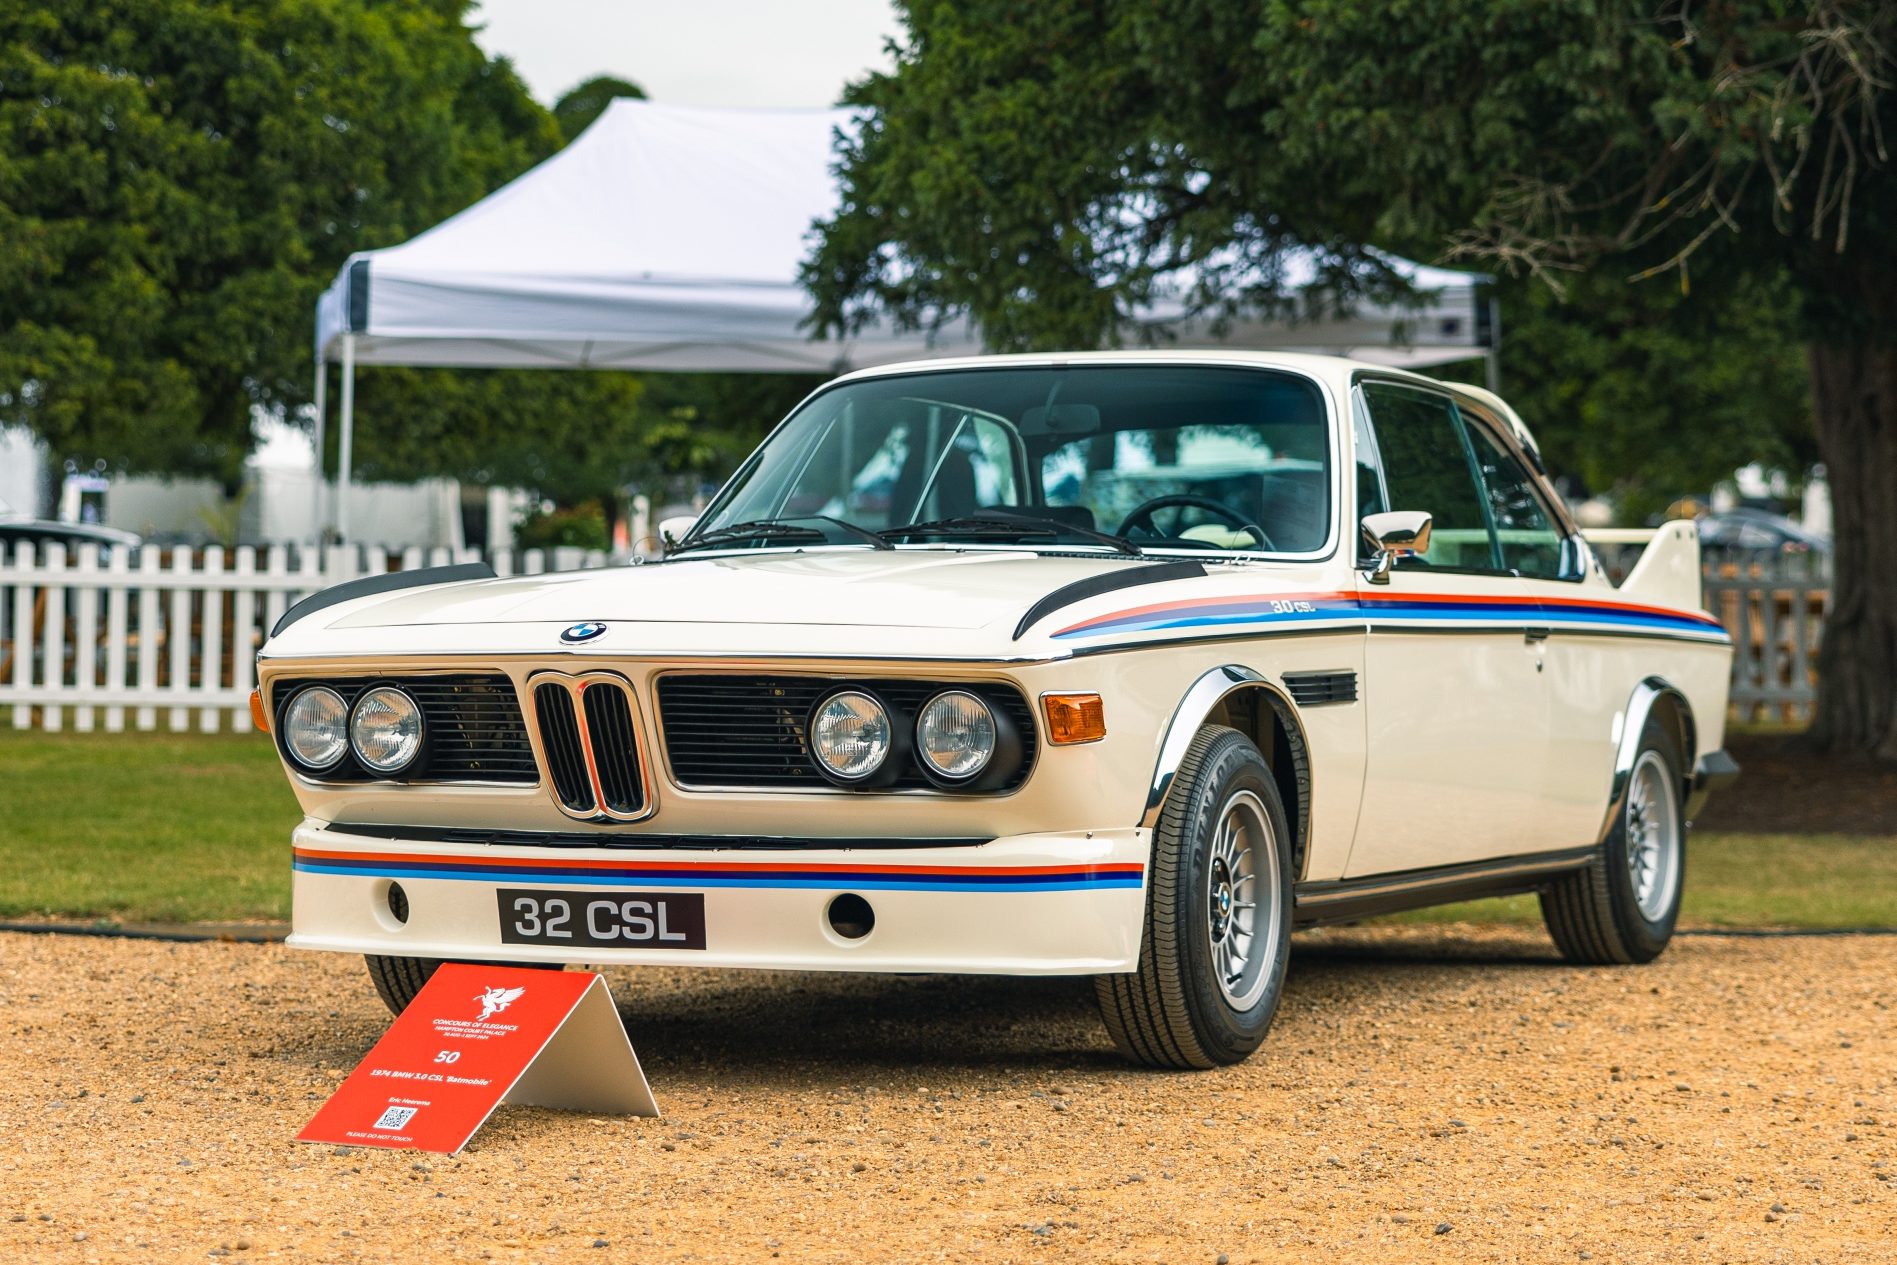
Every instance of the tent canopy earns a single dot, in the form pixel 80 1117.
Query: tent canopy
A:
pixel 670 238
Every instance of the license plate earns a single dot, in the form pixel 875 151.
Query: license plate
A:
pixel 603 920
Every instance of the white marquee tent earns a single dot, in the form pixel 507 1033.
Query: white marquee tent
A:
pixel 670 238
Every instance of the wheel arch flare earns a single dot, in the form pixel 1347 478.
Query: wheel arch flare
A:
pixel 1243 699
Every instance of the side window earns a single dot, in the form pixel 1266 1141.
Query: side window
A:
pixel 1426 466
pixel 1530 542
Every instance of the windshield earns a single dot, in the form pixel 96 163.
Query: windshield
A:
pixel 1167 457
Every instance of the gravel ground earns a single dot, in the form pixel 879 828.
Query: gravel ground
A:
pixel 1431 1095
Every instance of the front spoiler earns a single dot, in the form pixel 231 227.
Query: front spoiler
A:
pixel 1041 904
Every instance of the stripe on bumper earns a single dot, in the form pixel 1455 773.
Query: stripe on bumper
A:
pixel 929 878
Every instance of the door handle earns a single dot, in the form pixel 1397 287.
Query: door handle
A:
pixel 1534 633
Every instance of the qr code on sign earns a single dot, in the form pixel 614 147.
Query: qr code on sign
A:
pixel 396 1117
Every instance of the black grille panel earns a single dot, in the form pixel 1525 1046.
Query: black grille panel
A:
pixel 560 739
pixel 473 723
pixel 1312 689
pixel 615 750
pixel 748 731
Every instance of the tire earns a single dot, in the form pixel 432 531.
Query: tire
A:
pixel 398 980
pixel 1622 908
pixel 1222 820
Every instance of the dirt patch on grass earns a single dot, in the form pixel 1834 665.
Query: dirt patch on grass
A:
pixel 1785 787
pixel 1428 1094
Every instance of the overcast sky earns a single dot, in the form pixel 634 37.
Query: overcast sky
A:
pixel 699 52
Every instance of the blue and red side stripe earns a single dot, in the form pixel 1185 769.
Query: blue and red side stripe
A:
pixel 1391 609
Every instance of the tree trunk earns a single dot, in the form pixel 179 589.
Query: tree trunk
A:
pixel 1854 395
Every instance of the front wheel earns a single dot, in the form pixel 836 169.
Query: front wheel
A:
pixel 1622 908
pixel 1218 915
pixel 398 980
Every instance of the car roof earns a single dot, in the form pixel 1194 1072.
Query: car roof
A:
pixel 1335 369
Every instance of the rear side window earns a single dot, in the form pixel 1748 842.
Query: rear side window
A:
pixel 1525 533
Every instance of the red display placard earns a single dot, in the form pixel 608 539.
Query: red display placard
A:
pixel 475 1037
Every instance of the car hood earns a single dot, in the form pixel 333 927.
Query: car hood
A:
pixel 825 603
pixel 861 588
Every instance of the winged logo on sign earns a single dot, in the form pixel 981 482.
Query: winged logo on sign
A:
pixel 495 1000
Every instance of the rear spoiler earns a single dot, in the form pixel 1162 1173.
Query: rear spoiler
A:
pixel 1667 572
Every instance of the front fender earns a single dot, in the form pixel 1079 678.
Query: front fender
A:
pixel 1213 692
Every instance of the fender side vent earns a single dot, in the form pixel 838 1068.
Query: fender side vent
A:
pixel 1314 689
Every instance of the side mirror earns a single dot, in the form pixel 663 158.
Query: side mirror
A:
pixel 1391 535
pixel 672 530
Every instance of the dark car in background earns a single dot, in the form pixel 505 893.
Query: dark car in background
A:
pixel 40 532
pixel 1758 530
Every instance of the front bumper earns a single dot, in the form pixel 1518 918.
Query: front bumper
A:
pixel 1039 904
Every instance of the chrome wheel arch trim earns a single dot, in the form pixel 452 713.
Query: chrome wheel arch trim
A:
pixel 1211 689
pixel 1655 691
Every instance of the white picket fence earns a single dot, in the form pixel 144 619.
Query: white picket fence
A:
pixel 96 635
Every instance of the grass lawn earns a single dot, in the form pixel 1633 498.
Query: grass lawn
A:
pixel 144 827
pixel 194 827
pixel 1746 880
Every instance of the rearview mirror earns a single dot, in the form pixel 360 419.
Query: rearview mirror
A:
pixel 1391 535
pixel 1061 419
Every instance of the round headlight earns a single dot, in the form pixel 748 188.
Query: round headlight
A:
pixel 316 728
pixel 955 735
pixel 850 735
pixel 385 730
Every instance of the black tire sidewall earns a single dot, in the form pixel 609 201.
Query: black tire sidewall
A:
pixel 1232 764
pixel 1644 937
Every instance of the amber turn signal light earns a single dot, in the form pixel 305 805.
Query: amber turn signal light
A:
pixel 1074 718
pixel 258 716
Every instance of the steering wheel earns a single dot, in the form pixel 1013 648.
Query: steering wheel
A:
pixel 1141 517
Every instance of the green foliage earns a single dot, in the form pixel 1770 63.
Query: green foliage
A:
pixel 576 111
pixel 1047 169
pixel 180 178
pixel 582 527
pixel 1639 391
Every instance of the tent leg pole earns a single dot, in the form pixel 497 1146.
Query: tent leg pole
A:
pixel 348 437
pixel 1494 358
pixel 317 480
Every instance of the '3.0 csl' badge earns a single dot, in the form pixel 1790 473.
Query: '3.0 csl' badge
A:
pixel 582 632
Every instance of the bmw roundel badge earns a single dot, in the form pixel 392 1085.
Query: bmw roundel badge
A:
pixel 582 632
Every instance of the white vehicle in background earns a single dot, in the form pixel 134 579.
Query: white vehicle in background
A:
pixel 1117 665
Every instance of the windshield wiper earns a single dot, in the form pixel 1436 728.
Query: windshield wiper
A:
pixel 848 528
pixel 782 529
pixel 1000 522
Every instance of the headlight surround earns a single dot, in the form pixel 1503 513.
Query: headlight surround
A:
pixel 386 730
pixel 855 740
pixel 966 743
pixel 316 729
pixel 956 733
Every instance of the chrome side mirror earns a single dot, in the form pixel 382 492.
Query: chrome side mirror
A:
pixel 1391 535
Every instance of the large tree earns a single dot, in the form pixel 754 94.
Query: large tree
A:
pixel 180 178
pixel 1045 167
pixel 581 104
